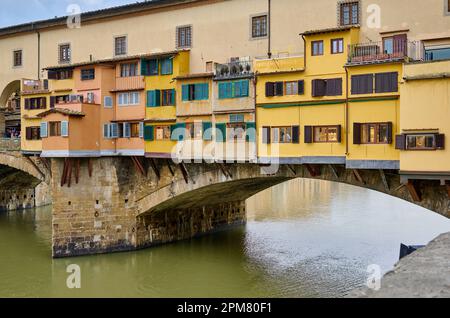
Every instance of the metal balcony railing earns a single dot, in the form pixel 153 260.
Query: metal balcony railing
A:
pixel 375 52
pixel 32 86
pixel 234 69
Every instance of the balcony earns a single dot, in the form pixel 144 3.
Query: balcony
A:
pixel 237 68
pixel 34 86
pixel 131 83
pixel 375 52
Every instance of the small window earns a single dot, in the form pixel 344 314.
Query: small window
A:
pixel 236 131
pixel 33 133
pixel 282 135
pixel 129 99
pixel 317 48
pixel 184 36
pixel 377 133
pixel 167 66
pixel 436 54
pixel 421 142
pixel 349 13
pixel 108 102
pixel 259 26
pixel 162 132
pixel 194 92
pixel 195 130
pixel 64 53
pixel 88 74
pixel 129 70
pixel 17 58
pixel 135 129
pixel 120 45
pixel 168 97
pixel 337 46
pixel 326 134
pixel 55 128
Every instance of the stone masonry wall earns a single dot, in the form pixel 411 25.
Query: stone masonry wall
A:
pixel 17 199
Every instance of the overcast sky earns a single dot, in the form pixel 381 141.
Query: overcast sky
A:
pixel 22 11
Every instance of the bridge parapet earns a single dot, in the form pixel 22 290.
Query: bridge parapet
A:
pixel 9 144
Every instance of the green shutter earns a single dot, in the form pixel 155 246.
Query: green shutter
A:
pixel 229 90
pixel 222 90
pixel 178 132
pixel 237 89
pixel 149 133
pixel 144 67
pixel 250 131
pixel 245 88
pixel 167 66
pixel 157 100
pixel 153 67
pixel 150 98
pixel 172 97
pixel 185 93
pixel 204 91
pixel 207 131
pixel 221 132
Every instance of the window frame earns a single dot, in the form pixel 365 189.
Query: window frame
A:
pixel 129 99
pixel 420 135
pixel 54 129
pixel 338 40
pixel 327 133
pixel 377 133
pixel 119 37
pixel 91 77
pixel 178 41
pixel 165 129
pixel 278 140
pixel 322 48
pixel 68 53
pixel 17 51
pixel 261 35
pixel 126 69
pixel 349 5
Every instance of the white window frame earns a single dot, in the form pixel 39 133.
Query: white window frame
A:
pixel 126 44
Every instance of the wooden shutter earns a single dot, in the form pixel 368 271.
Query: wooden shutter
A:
pixel 400 45
pixel 157 101
pixel 318 88
pixel 150 98
pixel 221 132
pixel 250 132
pixel 270 89
pixel 357 133
pixel 185 93
pixel 301 87
pixel 52 101
pixel 149 133
pixel 245 87
pixel 440 141
pixel 362 84
pixel 334 87
pixel 386 82
pixel 279 88
pixel 27 103
pixel 339 133
pixel 390 133
pixel 64 129
pixel 173 95
pixel 43 102
pixel 53 75
pixel 207 131
pixel 266 135
pixel 29 133
pixel 295 134
pixel 44 129
pixel 308 134
pixel 222 90
pixel 400 142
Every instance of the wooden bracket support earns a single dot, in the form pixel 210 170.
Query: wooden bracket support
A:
pixel 139 166
pixel 384 180
pixel 35 166
pixel 90 167
pixel 358 176
pixel 314 171
pixel 170 167
pixel 414 191
pixel 226 172
pixel 290 167
pixel 77 171
pixel 334 171
pixel 184 172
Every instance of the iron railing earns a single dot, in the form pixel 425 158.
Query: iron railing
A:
pixel 234 69
pixel 375 52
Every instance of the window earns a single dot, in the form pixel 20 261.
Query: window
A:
pixel 234 89
pixel 435 54
pixel 349 13
pixel 317 48
pixel 168 97
pixel 108 102
pixel 167 66
pixel 236 131
pixel 195 130
pixel 386 82
pixel 54 128
pixel 193 92
pixel 129 99
pixel 17 58
pixel 282 135
pixel 135 129
pixel 150 67
pixel 60 74
pixel 163 132
pixel 274 89
pixel 420 142
pixel 129 69
pixel 327 134
pixel 291 88
pixel 120 45
pixel 184 37
pixel 337 46
pixel 327 87
pixel 396 45
pixel 33 133
pixel 372 133
pixel 88 74
pixel 36 103
pixel 64 53
pixel 259 26
pixel 362 84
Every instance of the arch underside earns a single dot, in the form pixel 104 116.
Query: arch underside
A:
pixel 14 179
pixel 11 88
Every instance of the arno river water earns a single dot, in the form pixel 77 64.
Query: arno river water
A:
pixel 303 239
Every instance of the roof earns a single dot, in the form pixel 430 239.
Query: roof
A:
pixel 96 15
pixel 64 111
pixel 330 30
pixel 192 76
pixel 298 70
pixel 116 59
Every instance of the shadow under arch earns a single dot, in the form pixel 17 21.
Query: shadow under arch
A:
pixel 11 88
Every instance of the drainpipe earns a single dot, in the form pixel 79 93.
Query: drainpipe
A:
pixel 38 51
pixel 346 112
pixel 304 50
pixel 269 31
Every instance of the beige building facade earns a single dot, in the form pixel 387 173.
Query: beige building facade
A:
pixel 217 30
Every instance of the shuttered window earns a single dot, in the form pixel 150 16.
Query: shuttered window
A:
pixel 167 66
pixel 192 92
pixel 295 134
pixel 301 87
pixel 250 132
pixel 36 103
pixel 386 82
pixel 207 131
pixel 149 67
pixel 372 133
pixel 33 133
pixel 221 132
pixel 308 134
pixel 334 87
pixel 318 88
pixel 64 129
pixel 270 89
pixel 266 135
pixel 149 133
pixel 362 84
pixel 44 130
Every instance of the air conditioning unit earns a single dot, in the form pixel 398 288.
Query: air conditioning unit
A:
pixel 91 98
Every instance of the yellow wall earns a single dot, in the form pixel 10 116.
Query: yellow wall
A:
pixel 425 105
pixel 29 119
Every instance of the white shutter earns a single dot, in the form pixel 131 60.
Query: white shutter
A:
pixel 114 130
pixel 141 130
pixel 106 131
pixel 44 130
pixel 64 129
pixel 126 130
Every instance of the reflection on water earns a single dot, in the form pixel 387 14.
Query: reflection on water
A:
pixel 304 238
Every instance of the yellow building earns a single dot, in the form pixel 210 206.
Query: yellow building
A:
pixel 161 100
pixel 424 110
